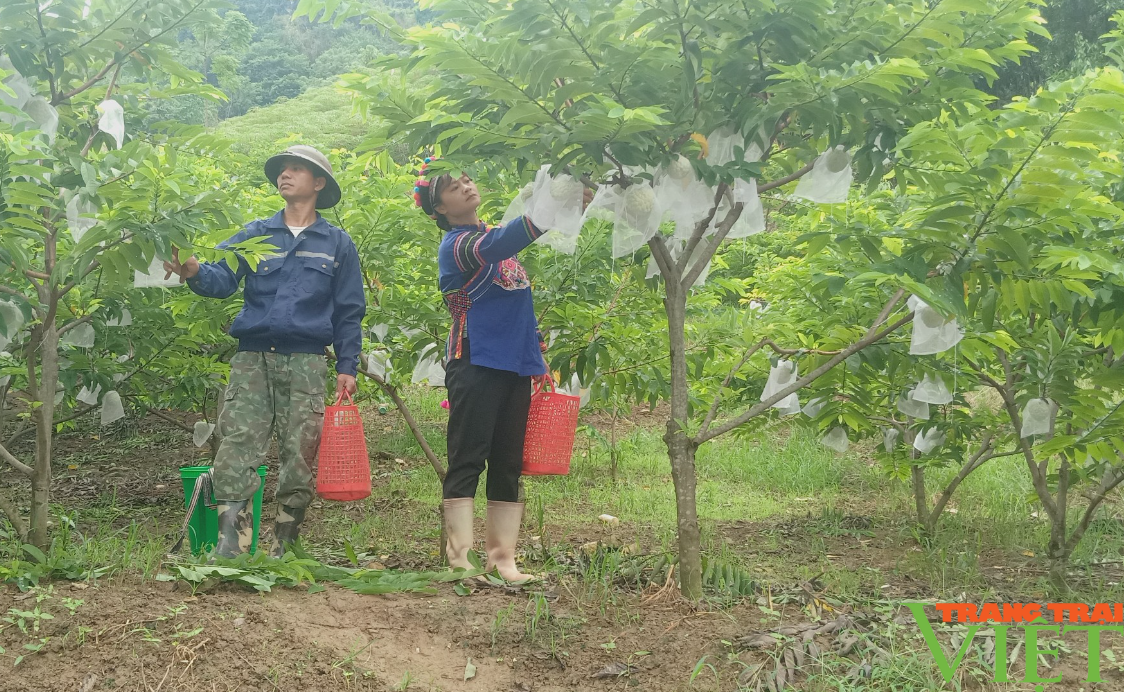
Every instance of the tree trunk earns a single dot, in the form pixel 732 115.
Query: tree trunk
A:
pixel 921 500
pixel 681 449
pixel 44 429
pixel 1059 555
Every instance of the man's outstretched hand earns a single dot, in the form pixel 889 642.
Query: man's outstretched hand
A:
pixel 187 269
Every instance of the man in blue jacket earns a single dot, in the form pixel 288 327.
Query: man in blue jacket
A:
pixel 307 295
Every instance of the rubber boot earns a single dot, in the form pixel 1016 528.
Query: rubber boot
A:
pixel 458 531
pixel 502 534
pixel 236 528
pixel 286 529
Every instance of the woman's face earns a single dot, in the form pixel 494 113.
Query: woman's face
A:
pixel 459 197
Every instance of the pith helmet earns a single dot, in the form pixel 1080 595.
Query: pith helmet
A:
pixel 330 195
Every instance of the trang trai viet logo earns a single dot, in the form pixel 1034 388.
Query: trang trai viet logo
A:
pixel 1034 621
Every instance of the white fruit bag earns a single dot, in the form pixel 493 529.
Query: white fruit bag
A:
pixel 830 179
pixel 154 278
pixel 437 374
pixel 813 407
pixel 378 363
pixel 89 396
pixel 45 116
pixel 12 322
pixel 575 389
pixel 635 213
pixel 429 368
pixel 720 145
pixel 932 390
pixel 19 85
pixel 125 320
pixel 752 219
pixel 684 198
pixel 202 432
pixel 890 438
pixel 555 203
pixel 112 120
pixel 932 333
pixel 836 439
pixel 77 217
pixel 782 375
pixel 81 336
pixel 912 408
pixel 1038 417
pixel 928 440
pixel 111 408
pixel 380 331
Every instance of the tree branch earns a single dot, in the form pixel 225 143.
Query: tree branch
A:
pixel 663 258
pixel 74 323
pixel 8 507
pixel 720 234
pixel 15 463
pixel 787 179
pixel 13 292
pixel 981 457
pixel 758 409
pixel 168 419
pixel 119 57
pixel 886 310
pixel 1106 487
pixel 713 412
pixel 700 228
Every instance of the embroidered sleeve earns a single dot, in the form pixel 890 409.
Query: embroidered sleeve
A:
pixel 474 249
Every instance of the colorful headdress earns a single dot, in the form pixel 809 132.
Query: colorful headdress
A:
pixel 424 186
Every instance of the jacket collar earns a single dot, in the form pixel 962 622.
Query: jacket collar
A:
pixel 277 221
pixel 469 227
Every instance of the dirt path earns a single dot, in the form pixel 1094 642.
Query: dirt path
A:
pixel 159 637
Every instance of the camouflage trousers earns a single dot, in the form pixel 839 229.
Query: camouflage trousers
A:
pixel 271 394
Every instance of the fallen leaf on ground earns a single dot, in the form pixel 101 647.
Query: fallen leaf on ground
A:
pixel 613 670
pixel 469 670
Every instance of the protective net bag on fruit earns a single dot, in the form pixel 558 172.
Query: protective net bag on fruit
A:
pixel 830 179
pixel 154 277
pixel 634 212
pixel 1038 417
pixel 78 220
pixel 112 120
pixel 11 322
pixel 111 408
pixel 44 115
pixel 890 439
pixel 80 336
pixel 932 332
pixel 89 396
pixel 932 390
pixel 927 440
pixel 429 368
pixel 782 375
pixel 836 439
pixel 555 202
pixel 913 408
pixel 685 199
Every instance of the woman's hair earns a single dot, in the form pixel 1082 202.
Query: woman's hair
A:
pixel 427 195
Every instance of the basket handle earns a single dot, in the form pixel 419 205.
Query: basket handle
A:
pixel 342 393
pixel 545 379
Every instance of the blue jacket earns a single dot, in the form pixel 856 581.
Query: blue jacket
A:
pixel 489 296
pixel 306 296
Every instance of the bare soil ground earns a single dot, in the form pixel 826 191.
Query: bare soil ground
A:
pixel 567 634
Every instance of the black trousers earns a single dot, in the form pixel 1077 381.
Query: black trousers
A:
pixel 487 422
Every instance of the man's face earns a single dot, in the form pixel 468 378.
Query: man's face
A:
pixel 296 181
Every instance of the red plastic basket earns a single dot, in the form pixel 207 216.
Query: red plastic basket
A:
pixel 344 472
pixel 552 424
